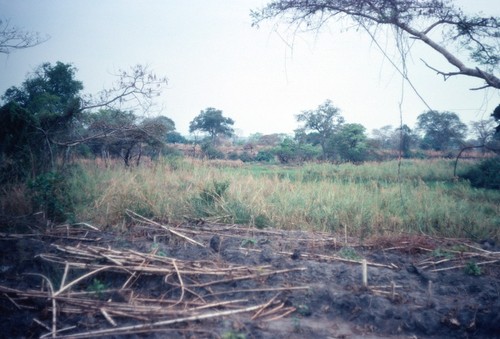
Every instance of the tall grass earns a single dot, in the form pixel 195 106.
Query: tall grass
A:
pixel 363 199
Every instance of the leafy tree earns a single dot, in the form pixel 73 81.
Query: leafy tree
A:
pixel 384 137
pixel 47 115
pixel 13 38
pixel 323 122
pixel 212 122
pixel 174 137
pixel 125 136
pixel 290 151
pixel 438 24
pixel 351 142
pixel 441 130
pixel 496 116
pixel 406 138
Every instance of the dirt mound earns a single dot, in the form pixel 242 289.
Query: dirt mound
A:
pixel 223 281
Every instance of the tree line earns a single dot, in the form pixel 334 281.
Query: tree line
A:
pixel 47 120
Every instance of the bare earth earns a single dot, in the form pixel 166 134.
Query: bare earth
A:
pixel 204 280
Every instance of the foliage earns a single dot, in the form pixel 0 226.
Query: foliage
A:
pixel 496 116
pixel 351 143
pixel 212 122
pixel 442 130
pixel 264 156
pixel 324 121
pixel 485 175
pixel 370 198
pixel 43 110
pixel 438 24
pixel 472 268
pixel 290 151
pixel 211 152
pixel 50 192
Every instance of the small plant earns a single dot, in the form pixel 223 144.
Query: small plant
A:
pixel 304 310
pixel 97 287
pixel 261 221
pixel 248 243
pixel 215 192
pixel 234 335
pixel 440 253
pixel 349 253
pixel 473 269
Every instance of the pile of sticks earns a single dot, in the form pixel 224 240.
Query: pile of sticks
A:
pixel 193 290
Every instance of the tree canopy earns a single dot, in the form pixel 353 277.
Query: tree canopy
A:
pixel 47 115
pixel 441 130
pixel 323 121
pixel 212 122
pixel 438 24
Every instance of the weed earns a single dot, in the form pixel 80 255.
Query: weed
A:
pixel 440 253
pixel 472 268
pixel 97 287
pixel 248 243
pixel 233 335
pixel 349 253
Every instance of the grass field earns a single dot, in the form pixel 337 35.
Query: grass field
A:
pixel 359 200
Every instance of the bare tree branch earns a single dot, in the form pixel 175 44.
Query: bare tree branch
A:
pixel 12 38
pixel 474 34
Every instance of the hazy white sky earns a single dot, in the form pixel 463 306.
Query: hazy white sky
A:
pixel 214 58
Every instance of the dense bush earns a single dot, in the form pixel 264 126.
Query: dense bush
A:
pixel 264 156
pixel 485 175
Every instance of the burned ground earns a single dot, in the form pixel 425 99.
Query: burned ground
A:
pixel 225 281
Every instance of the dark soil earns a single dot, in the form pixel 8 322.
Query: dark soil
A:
pixel 244 283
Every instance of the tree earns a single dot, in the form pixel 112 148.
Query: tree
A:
pixel 441 130
pixel 212 122
pixel 50 116
pixel 351 142
pixel 419 20
pixel 484 131
pixel 323 121
pixel 496 116
pixel 406 138
pixel 12 38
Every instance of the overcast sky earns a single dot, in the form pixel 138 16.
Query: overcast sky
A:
pixel 214 58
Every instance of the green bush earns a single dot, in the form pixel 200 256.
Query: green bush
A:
pixel 51 193
pixel 246 157
pixel 485 175
pixel 264 156
pixel 211 152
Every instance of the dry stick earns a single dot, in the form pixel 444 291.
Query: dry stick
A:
pixel 253 290
pixel 181 282
pixel 12 301
pixel 107 316
pixel 364 268
pixel 87 225
pixel 272 310
pixel 265 305
pixel 54 305
pixel 292 309
pixel 123 329
pixel 166 228
pixel 58 331
pixel 222 303
pixel 62 289
pixel 462 266
pixel 65 274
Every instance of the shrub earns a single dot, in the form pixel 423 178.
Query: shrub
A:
pixel 211 152
pixel 50 192
pixel 485 175
pixel 264 156
pixel 246 157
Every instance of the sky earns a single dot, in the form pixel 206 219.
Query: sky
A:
pixel 260 77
